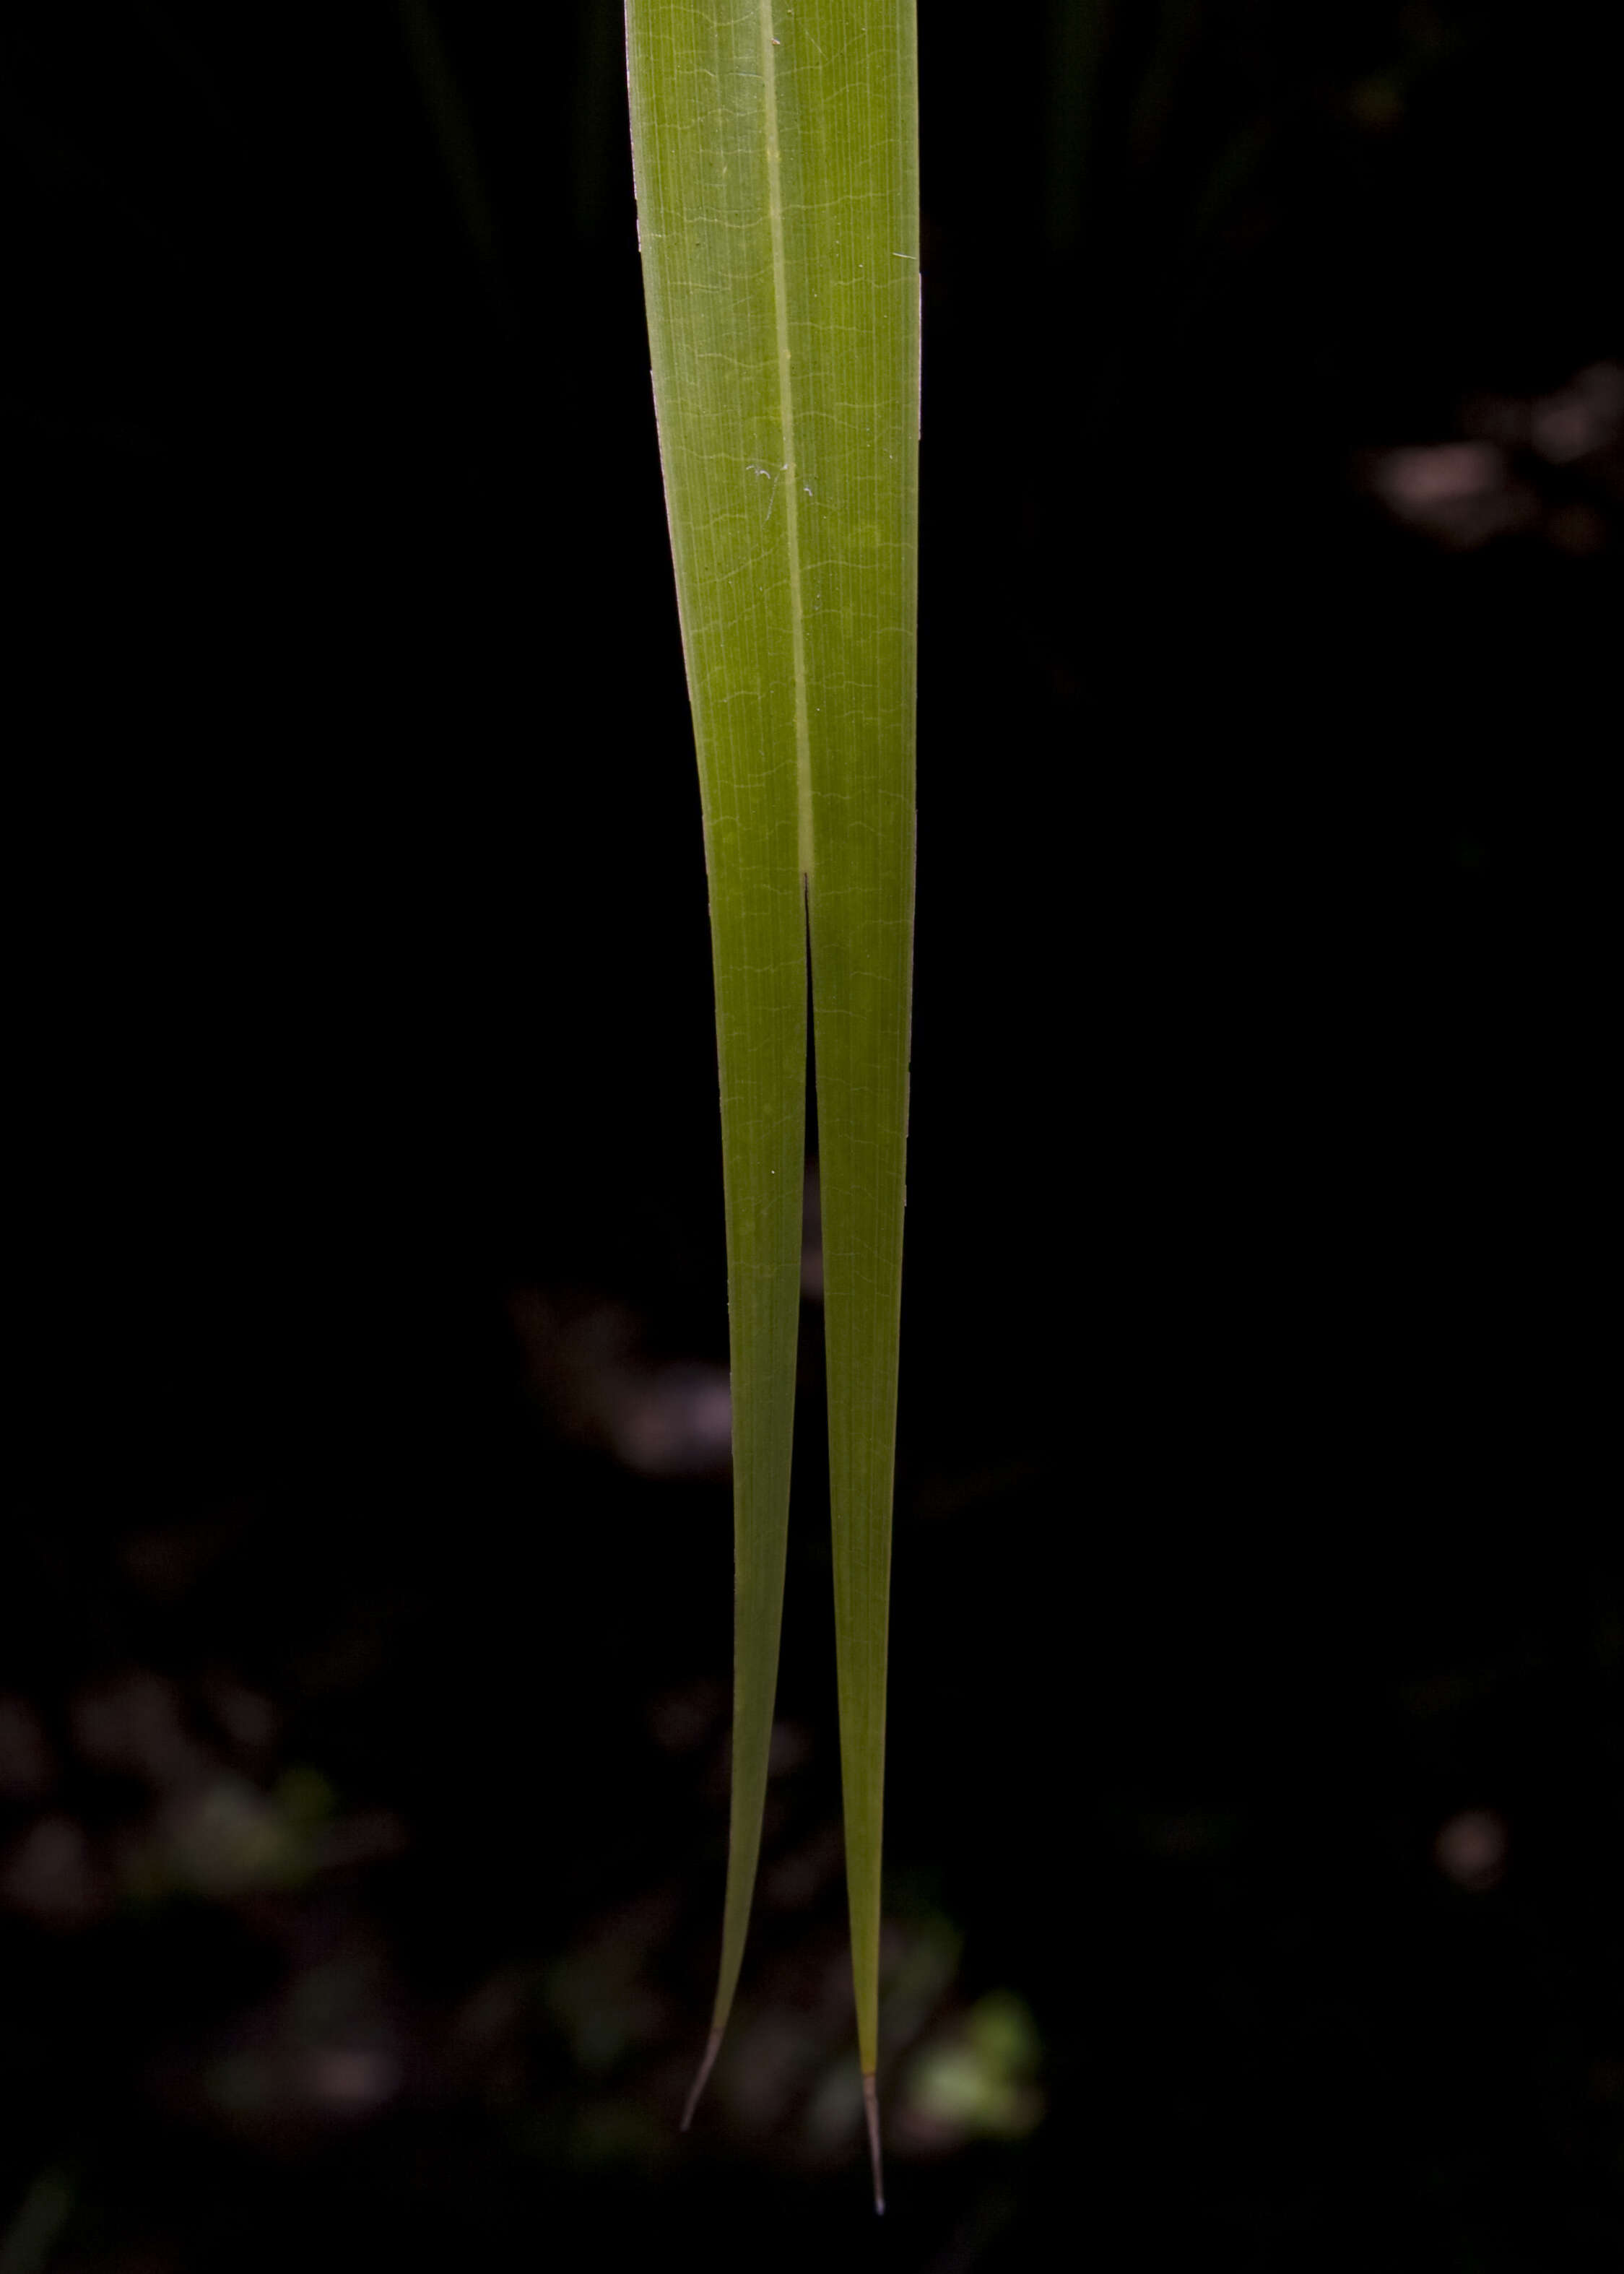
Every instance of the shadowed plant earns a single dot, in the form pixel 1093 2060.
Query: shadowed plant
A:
pixel 775 151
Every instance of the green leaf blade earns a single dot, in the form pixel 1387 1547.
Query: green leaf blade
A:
pixel 856 341
pixel 776 155
pixel 700 150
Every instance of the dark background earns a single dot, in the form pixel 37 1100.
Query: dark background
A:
pixel 1255 1813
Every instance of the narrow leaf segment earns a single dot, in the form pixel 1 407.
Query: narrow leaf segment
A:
pixel 775 149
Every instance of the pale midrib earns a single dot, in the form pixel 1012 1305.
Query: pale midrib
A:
pixel 791 523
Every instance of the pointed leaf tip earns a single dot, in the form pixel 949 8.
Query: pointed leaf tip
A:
pixel 712 2047
pixel 871 2113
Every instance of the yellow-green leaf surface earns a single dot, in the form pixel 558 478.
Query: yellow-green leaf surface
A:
pixel 775 149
